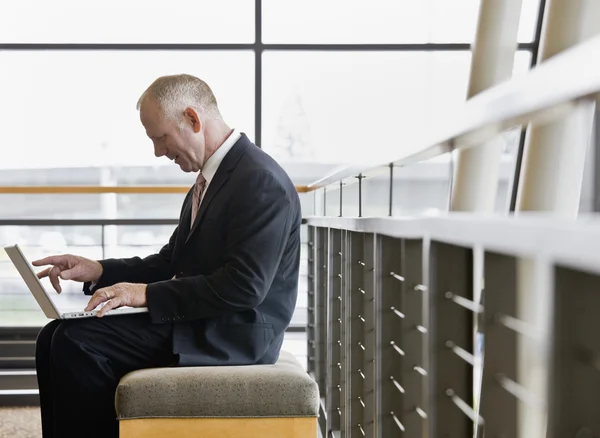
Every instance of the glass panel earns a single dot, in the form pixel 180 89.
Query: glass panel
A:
pixel 17 305
pixel 423 188
pixel 510 143
pixel 379 21
pixel 81 105
pixel 134 21
pixel 342 107
pixel 376 192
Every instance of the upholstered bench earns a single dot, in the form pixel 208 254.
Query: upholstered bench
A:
pixel 255 401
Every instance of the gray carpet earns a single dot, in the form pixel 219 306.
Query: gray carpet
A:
pixel 20 423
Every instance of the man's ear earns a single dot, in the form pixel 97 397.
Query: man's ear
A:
pixel 192 119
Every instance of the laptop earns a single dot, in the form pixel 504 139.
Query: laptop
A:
pixel 43 297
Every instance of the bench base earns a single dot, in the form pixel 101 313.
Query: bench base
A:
pixel 218 427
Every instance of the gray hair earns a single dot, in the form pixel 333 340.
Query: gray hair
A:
pixel 177 92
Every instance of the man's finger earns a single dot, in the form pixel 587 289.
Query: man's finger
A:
pixel 98 298
pixel 44 273
pixel 54 272
pixel 113 303
pixel 51 260
pixel 74 272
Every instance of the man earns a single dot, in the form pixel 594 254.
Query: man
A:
pixel 221 292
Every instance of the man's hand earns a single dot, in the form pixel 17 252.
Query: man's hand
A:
pixel 120 294
pixel 69 267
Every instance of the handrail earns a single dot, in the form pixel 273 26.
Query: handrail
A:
pixel 69 190
pixel 542 94
pixel 563 240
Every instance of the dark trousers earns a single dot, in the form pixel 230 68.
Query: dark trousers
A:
pixel 80 362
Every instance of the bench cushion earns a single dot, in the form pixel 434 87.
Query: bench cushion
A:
pixel 280 390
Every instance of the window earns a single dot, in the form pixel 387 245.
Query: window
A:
pixel 65 109
pixel 336 107
pixel 133 21
pixel 380 21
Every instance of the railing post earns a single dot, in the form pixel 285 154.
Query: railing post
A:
pixel 391 194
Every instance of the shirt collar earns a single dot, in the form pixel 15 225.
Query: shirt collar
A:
pixel 212 164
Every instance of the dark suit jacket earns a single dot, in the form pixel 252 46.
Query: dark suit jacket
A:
pixel 236 270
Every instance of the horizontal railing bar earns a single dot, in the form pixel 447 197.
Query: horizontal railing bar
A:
pixel 463 302
pixel 18 373
pixel 398 423
pixel 520 392
pixel 9 392
pixel 361 429
pixel 462 353
pixel 17 342
pixel 398 349
pixel 362 403
pixel 421 329
pixel 397 385
pixel 421 413
pixel 517 325
pixel 362 346
pixel 420 370
pixel 361 374
pixel 361 319
pixel 465 408
pixel 15 358
pixel 397 312
pixel 85 222
pixel 397 277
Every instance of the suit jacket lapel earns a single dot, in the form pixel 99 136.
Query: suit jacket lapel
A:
pixel 221 176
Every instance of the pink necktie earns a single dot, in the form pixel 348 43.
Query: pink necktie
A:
pixel 198 189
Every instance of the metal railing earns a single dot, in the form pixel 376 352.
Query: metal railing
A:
pixel 546 94
pixel 393 340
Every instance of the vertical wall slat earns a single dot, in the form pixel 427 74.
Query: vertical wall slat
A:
pixel 334 374
pixel 498 407
pixel 450 377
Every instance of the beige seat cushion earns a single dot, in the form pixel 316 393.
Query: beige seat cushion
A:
pixel 280 390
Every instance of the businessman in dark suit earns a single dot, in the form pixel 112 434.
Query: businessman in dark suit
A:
pixel 221 292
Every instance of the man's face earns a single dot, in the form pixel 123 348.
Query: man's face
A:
pixel 183 146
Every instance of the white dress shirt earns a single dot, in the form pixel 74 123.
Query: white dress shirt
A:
pixel 212 164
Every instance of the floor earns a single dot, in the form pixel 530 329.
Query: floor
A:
pixel 20 423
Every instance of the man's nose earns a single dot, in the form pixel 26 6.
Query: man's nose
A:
pixel 158 151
